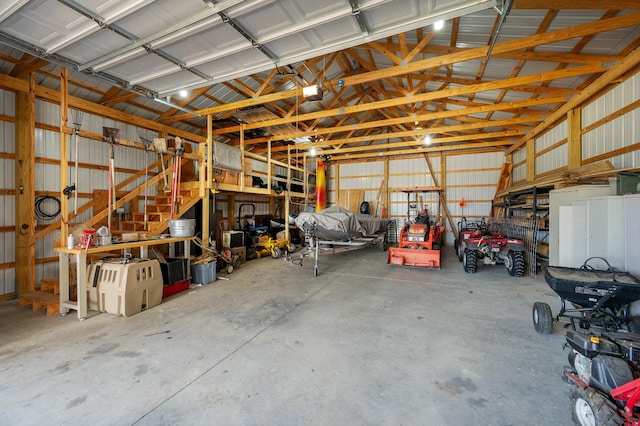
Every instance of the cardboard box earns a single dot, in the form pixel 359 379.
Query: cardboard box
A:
pixel 231 178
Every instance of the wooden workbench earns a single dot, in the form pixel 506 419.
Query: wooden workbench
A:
pixel 81 264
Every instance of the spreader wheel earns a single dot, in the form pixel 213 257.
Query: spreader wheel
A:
pixel 542 318
pixel 276 253
pixel 590 408
pixel 229 269
pixel 470 261
pixel 515 263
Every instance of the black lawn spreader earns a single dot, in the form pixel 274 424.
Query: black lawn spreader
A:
pixel 596 297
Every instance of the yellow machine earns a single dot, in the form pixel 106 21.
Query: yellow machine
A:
pixel 268 246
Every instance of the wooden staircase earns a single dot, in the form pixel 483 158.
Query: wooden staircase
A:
pixel 159 213
pixel 47 298
pixel 158 216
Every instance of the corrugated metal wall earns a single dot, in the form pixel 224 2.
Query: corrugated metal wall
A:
pixel 519 171
pixel 617 133
pixel 7 201
pixel 556 157
pixel 472 176
pixel 611 123
pixel 47 176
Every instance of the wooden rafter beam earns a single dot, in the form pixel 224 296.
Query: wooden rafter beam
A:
pixel 477 108
pixel 630 61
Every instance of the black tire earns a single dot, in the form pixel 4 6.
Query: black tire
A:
pixel 589 407
pixel 230 269
pixel 542 318
pixel 515 263
pixel 633 325
pixel 459 250
pixel 383 243
pixel 470 261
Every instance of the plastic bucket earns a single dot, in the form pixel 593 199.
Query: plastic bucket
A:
pixel 182 227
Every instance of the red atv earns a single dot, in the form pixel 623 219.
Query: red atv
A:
pixel 465 229
pixel 490 246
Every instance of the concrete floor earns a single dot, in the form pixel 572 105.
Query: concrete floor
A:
pixel 362 343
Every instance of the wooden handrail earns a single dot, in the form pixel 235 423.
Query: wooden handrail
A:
pixel 56 225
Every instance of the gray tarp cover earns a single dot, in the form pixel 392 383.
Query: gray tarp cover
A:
pixel 339 224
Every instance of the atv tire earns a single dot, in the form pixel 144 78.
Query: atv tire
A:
pixel 470 261
pixel 515 263
pixel 542 318
pixel 589 407
pixel 459 250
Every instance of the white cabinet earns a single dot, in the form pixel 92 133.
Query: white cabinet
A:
pixel 566 197
pixel 572 246
pixel 605 228
pixel 632 233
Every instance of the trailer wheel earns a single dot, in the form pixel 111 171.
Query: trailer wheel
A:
pixel 542 318
pixel 515 263
pixel 382 241
pixel 470 261
pixel 590 408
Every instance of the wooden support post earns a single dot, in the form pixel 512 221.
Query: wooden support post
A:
pixel 25 189
pixel 443 194
pixel 64 152
pixel 205 175
pixel 574 138
pixel 209 151
pixel 287 198
pixel 231 206
pixel 269 166
pixel 242 157
pixel 443 198
pixel 336 184
pixel 386 187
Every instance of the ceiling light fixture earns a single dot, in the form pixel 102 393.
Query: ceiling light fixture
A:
pixel 427 139
pixel 438 25
pixel 313 93
pixel 183 94
pixel 312 152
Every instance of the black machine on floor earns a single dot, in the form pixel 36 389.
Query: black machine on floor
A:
pixel 598 297
pixel 602 378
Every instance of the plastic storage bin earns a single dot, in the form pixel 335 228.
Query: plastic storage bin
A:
pixel 204 273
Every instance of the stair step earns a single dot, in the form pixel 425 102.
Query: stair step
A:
pixel 40 300
pixel 51 285
pixel 151 216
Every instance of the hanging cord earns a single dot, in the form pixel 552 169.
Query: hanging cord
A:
pixel 47 207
